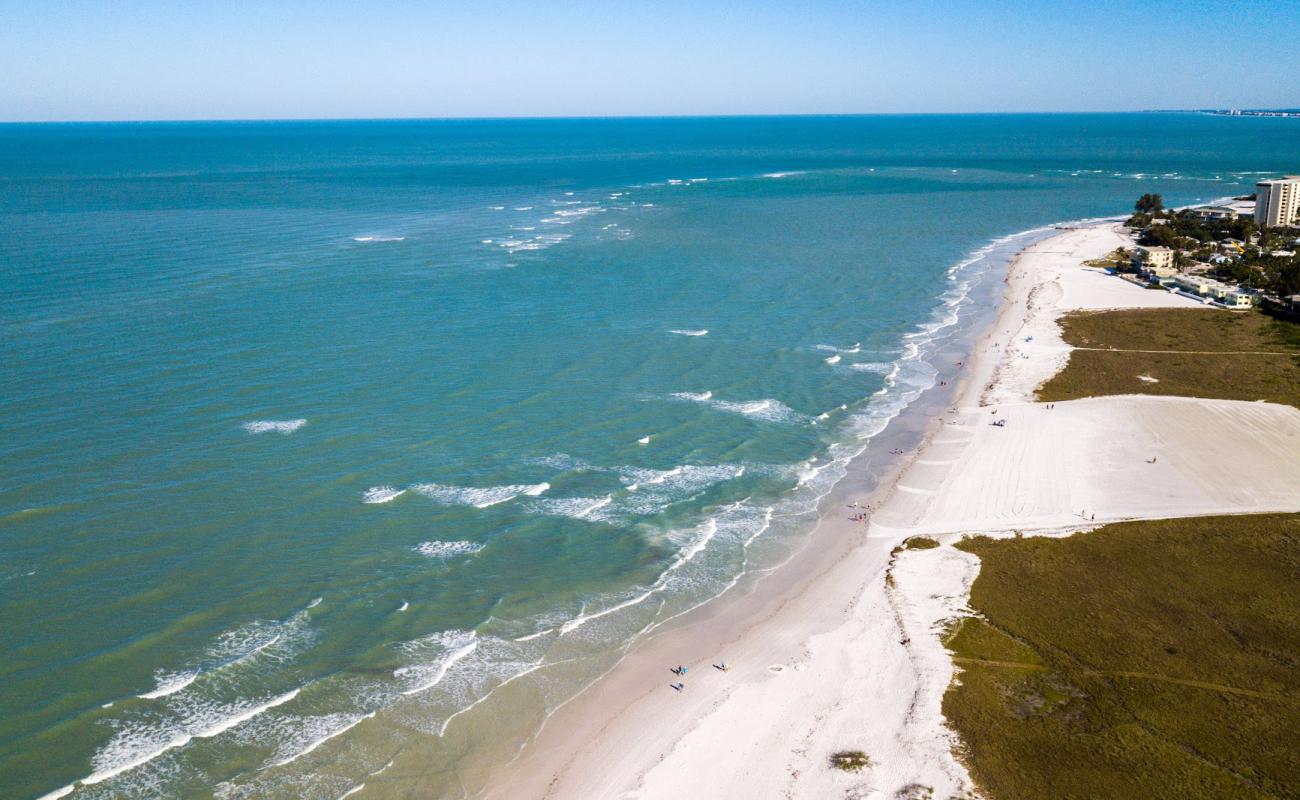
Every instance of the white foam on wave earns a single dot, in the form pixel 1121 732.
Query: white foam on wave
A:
pixel 766 410
pixel 134 748
pixel 444 550
pixel 643 440
pixel 707 530
pixel 313 727
pixel 584 211
pixel 232 647
pixel 527 670
pixel 784 174
pixel 281 426
pixel 583 618
pixel 574 507
pixel 479 497
pixel 690 332
pixel 364 239
pixel 703 534
pixel 538 242
pixel 835 359
pixel 452 646
pixel 169 683
pixel 381 494
pixel 878 367
pixel 405 605
pixel 352 791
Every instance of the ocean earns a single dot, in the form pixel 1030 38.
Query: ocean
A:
pixel 341 453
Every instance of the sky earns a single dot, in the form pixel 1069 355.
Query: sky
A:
pixel 281 59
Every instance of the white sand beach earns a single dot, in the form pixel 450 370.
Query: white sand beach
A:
pixel 826 654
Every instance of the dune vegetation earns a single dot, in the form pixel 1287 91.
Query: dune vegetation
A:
pixel 1145 659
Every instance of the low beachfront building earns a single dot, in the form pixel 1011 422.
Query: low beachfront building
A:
pixel 1211 291
pixel 1235 297
pixel 1150 259
pixel 1194 285
pixel 1277 203
pixel 1216 212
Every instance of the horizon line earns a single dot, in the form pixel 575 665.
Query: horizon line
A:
pixel 559 117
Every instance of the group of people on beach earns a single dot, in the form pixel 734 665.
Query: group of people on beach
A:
pixel 680 671
pixel 862 517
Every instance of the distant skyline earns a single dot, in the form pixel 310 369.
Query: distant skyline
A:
pixel 287 59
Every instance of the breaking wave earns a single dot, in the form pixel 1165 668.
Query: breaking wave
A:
pixel 284 426
pixel 381 494
pixel 444 550
pixel 479 497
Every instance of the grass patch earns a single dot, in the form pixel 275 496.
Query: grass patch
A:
pixel 921 543
pixel 1145 659
pixel 1203 356
pixel 850 760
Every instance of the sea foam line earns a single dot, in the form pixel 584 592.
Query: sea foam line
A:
pixel 446 664
pixel 169 683
pixel 381 494
pixel 181 740
pixel 322 740
pixel 477 497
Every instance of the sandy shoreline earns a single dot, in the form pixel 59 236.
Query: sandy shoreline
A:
pixel 826 654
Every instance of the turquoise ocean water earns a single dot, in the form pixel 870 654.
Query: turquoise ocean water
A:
pixel 316 435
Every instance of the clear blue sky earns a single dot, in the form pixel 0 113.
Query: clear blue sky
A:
pixel 211 59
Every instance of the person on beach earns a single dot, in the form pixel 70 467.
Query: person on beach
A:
pixel 678 686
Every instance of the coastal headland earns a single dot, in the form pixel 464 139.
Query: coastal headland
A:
pixel 845 647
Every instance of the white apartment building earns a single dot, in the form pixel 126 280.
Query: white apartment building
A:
pixel 1277 203
pixel 1150 259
